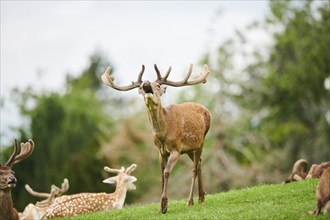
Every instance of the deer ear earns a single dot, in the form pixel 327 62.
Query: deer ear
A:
pixel 131 179
pixel 320 173
pixel 164 89
pixel 111 180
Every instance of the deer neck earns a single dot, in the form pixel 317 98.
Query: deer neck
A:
pixel 156 115
pixel 120 194
pixel 6 205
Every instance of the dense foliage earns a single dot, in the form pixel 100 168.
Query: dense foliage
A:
pixel 281 92
pixel 68 129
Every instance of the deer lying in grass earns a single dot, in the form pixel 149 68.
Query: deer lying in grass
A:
pixel 316 169
pixel 323 192
pixel 177 129
pixel 8 179
pixel 299 171
pixel 82 203
pixel 38 210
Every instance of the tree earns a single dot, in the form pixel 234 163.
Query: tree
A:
pixel 282 101
pixel 68 130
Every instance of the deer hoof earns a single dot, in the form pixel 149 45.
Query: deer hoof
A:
pixel 201 198
pixel 191 202
pixel 163 208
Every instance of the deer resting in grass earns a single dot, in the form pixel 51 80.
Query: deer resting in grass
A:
pixel 38 210
pixel 299 171
pixel 82 203
pixel 177 129
pixel 316 169
pixel 8 179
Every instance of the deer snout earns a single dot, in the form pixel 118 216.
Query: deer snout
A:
pixel 146 86
pixel 12 181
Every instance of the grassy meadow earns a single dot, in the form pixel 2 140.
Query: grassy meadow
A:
pixel 274 201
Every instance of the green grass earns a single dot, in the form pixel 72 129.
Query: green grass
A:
pixel 277 201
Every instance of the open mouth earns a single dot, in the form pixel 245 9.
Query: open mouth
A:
pixel 11 183
pixel 147 88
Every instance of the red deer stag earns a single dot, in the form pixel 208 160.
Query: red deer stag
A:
pixel 38 210
pixel 83 203
pixel 177 129
pixel 8 179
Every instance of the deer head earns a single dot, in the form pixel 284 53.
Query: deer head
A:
pixel 122 177
pixel 7 177
pixel 316 169
pixel 152 91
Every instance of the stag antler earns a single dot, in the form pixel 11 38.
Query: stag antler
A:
pixel 109 80
pixel 184 82
pixel 121 170
pixel 112 170
pixel 36 194
pixel 55 191
pixel 20 153
pixel 130 169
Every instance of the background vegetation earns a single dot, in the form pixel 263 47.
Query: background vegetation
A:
pixel 267 112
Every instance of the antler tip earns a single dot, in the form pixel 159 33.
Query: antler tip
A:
pixel 31 142
pixel 108 70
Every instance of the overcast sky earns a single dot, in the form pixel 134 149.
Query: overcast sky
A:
pixel 42 41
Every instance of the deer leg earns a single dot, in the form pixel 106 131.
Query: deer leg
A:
pixel 174 156
pixel 194 174
pixel 195 157
pixel 201 191
pixel 163 162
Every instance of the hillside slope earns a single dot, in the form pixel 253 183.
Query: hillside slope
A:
pixel 277 201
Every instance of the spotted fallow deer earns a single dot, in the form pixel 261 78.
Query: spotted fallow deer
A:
pixel 8 179
pixel 82 203
pixel 177 129
pixel 38 210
